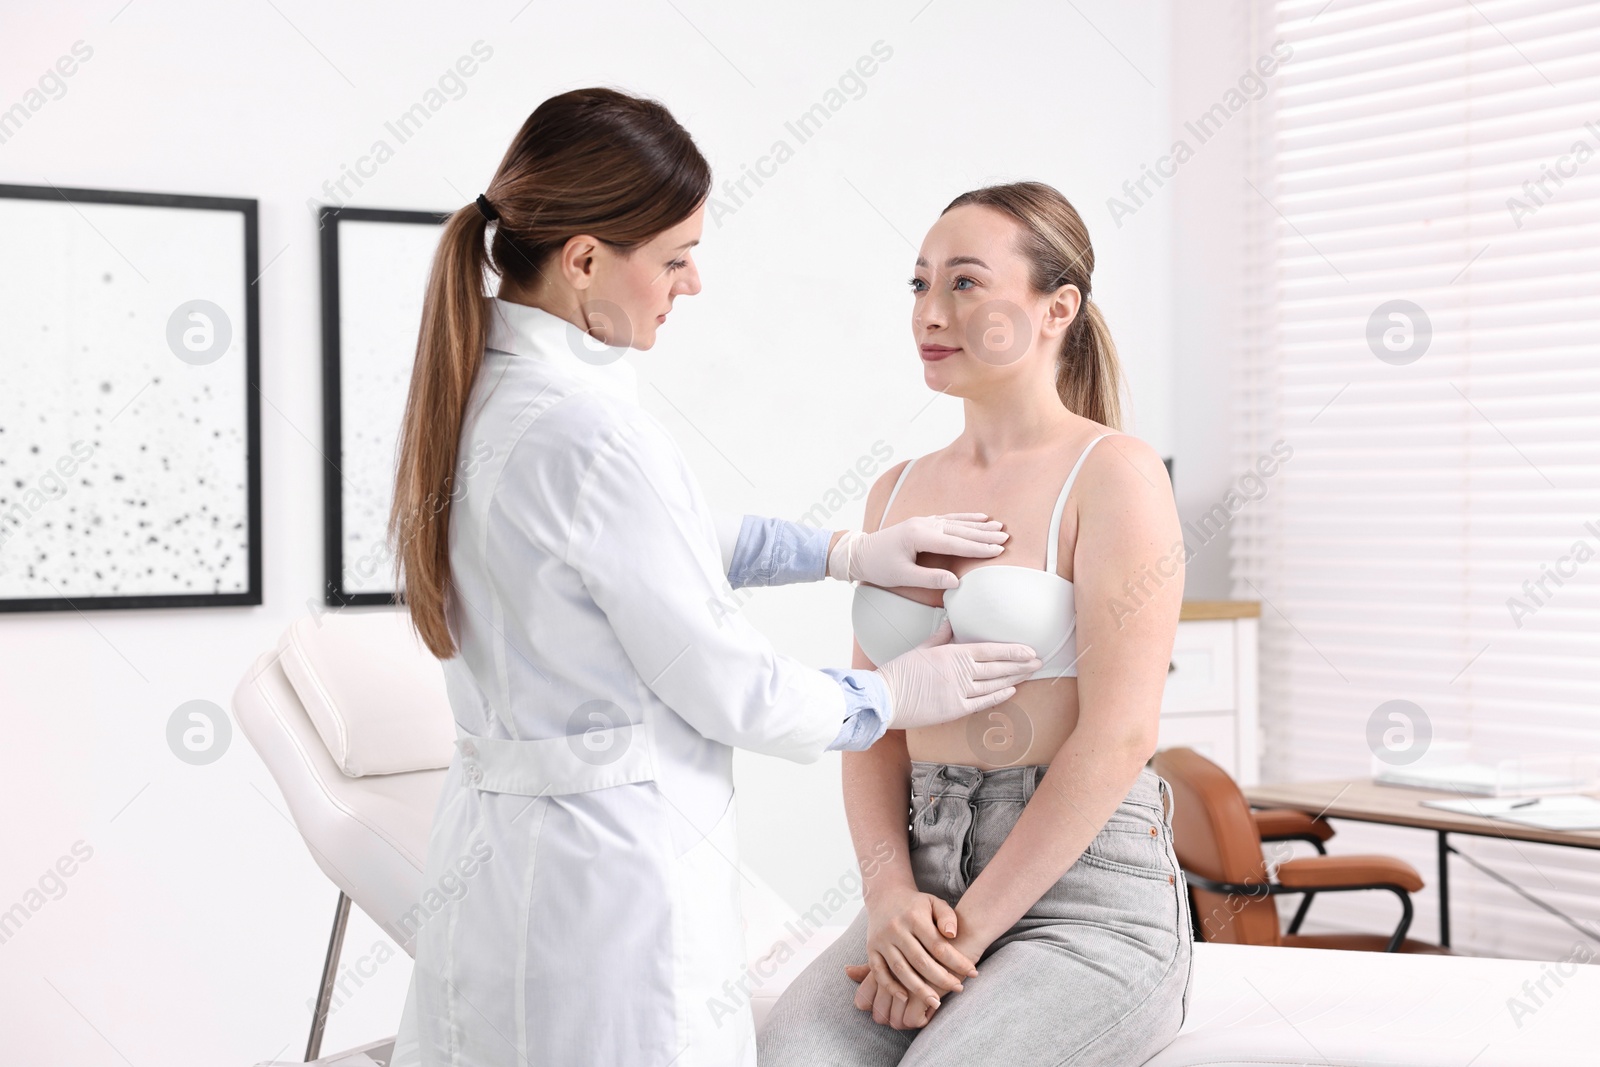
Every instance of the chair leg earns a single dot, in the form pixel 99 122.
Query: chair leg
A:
pixel 1399 936
pixel 1300 912
pixel 330 968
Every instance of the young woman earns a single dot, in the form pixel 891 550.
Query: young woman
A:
pixel 580 899
pixel 1034 913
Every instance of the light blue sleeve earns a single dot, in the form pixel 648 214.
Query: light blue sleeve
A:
pixel 866 696
pixel 778 552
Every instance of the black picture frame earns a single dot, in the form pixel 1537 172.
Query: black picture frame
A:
pixel 335 592
pixel 248 211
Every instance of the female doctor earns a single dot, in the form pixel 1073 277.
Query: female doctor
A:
pixel 581 896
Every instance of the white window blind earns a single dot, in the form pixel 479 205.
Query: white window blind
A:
pixel 1422 330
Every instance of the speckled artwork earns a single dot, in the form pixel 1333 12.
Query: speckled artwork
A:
pixel 124 441
pixel 383 271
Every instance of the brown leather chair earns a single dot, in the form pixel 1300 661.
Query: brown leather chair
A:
pixel 1286 824
pixel 1218 841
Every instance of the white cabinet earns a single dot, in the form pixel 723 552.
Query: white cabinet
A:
pixel 1203 672
pixel 1209 704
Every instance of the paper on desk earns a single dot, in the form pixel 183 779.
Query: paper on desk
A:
pixel 1553 820
pixel 1571 812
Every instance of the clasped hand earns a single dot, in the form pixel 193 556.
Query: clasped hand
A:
pixel 917 953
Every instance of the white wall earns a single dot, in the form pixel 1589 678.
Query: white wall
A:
pixel 1209 55
pixel 195 931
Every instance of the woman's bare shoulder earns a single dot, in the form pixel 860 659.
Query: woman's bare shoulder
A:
pixel 1126 463
pixel 1124 496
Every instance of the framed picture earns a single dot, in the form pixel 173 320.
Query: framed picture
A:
pixel 375 266
pixel 129 403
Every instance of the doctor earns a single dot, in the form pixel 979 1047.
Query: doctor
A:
pixel 559 557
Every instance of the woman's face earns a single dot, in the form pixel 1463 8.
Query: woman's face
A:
pixel 629 295
pixel 977 322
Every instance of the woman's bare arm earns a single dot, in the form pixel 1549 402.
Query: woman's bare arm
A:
pixel 1128 587
pixel 877 782
pixel 877 798
pixel 907 956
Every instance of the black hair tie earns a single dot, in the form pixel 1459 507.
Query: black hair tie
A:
pixel 486 209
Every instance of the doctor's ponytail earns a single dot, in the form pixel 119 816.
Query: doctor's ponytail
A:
pixel 1056 244
pixel 599 162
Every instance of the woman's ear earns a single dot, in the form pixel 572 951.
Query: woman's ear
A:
pixel 577 260
pixel 1062 309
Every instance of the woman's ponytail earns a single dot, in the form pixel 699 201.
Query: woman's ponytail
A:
pixel 450 346
pixel 1088 373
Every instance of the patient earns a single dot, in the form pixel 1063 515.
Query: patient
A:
pixel 1033 912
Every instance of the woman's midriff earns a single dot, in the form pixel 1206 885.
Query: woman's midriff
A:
pixel 1029 728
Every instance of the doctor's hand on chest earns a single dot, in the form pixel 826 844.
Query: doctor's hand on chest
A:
pixel 888 557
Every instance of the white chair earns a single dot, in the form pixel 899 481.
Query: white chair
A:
pixel 349 713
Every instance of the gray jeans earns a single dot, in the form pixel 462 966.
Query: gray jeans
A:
pixel 1096 972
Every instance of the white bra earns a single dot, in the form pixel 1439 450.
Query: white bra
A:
pixel 994 602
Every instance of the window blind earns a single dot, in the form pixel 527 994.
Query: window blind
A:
pixel 1421 332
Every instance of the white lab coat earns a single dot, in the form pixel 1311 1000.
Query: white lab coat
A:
pixel 585 902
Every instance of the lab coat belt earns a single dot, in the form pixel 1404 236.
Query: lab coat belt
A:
pixel 578 763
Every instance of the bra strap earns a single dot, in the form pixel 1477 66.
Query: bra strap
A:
pixel 896 490
pixel 1061 501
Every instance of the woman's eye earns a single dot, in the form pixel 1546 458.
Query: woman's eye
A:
pixel 677 264
pixel 915 283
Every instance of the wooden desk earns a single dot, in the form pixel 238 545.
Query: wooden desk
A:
pixel 1363 800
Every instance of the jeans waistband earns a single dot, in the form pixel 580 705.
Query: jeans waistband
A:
pixel 1016 783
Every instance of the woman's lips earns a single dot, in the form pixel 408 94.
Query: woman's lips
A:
pixel 937 352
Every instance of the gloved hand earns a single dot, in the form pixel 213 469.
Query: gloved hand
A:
pixel 938 681
pixel 888 557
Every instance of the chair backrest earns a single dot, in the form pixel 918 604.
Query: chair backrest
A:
pixel 368 833
pixel 1215 837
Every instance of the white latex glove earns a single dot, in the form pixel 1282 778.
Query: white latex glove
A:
pixel 888 557
pixel 938 681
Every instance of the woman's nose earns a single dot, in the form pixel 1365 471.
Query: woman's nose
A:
pixel 930 314
pixel 690 283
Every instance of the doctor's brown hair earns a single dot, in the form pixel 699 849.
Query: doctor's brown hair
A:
pixel 599 162
pixel 1056 244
